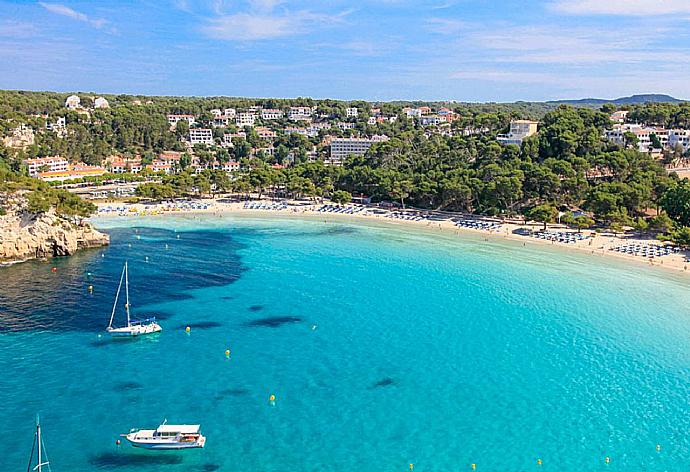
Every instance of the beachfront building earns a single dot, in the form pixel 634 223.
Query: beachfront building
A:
pixel 120 165
pixel 200 136
pixel 341 148
pixel 271 114
pixel 352 112
pixel 160 166
pixel 173 119
pixel 301 113
pixel 519 130
pixel 46 164
pixel 73 102
pixel 245 119
pixel 644 136
pixel 101 102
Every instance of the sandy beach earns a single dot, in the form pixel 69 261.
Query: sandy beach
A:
pixel 591 242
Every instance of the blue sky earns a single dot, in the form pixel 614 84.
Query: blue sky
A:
pixel 468 50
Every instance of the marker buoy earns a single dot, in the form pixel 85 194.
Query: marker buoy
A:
pixel 538 461
pixel 138 237
pixel 607 460
pixel 474 466
pixel 188 329
pixel 166 246
pixel 54 269
pixel 90 288
pixel 227 353
pixel 102 255
pixel 178 236
pixel 272 400
pixel 129 245
pixel 411 466
pixel 658 448
pixel 117 442
pixel 147 258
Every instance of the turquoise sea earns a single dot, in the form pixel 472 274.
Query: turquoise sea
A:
pixel 383 347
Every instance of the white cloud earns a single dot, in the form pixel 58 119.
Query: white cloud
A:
pixel 255 26
pixel 64 10
pixel 621 7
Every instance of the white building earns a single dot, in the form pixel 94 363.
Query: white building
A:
pixel 412 112
pixel 245 119
pixel 619 116
pixel 73 102
pixel 216 113
pixel 352 112
pixel 643 134
pixel 341 148
pixel 174 119
pixel 301 113
pixel 679 137
pixel 46 164
pixel 519 130
pixel 200 136
pixel 271 114
pixel 221 121
pixel 59 125
pixel 430 120
pixel 101 102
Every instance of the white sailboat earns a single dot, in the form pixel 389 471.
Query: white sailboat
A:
pixel 39 447
pixel 133 328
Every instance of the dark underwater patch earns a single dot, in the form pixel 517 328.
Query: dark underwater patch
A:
pixel 119 459
pixel 227 298
pixel 210 467
pixel 384 382
pixel 273 322
pixel 127 386
pixel 256 308
pixel 60 300
pixel 233 392
pixel 201 325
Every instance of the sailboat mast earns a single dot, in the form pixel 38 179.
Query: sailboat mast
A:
pixel 117 295
pixel 38 440
pixel 127 292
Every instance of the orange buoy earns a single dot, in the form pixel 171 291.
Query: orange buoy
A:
pixel 54 269
pixel 227 353
pixel 538 461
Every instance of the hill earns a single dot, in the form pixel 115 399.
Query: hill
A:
pixel 632 100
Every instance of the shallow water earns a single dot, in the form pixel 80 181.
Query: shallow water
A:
pixel 382 347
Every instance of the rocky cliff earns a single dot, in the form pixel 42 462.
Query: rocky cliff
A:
pixel 24 235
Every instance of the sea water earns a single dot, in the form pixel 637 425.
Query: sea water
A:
pixel 383 347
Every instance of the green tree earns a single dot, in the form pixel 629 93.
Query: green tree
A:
pixel 341 197
pixel 545 213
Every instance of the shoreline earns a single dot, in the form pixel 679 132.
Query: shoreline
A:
pixel 596 244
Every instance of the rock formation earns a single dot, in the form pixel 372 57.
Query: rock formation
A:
pixel 25 235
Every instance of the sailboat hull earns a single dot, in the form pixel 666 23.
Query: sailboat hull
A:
pixel 134 330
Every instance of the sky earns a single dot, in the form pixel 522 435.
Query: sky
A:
pixel 465 50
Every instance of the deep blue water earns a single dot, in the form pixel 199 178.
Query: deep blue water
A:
pixel 383 348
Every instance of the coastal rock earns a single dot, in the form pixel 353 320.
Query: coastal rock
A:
pixel 25 235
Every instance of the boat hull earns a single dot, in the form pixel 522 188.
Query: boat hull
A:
pixel 133 331
pixel 166 445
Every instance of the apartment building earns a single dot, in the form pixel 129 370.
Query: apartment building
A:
pixel 341 148
pixel 200 136
pixel 245 119
pixel 271 114
pixel 519 130
pixel 352 112
pixel 46 164
pixel 173 119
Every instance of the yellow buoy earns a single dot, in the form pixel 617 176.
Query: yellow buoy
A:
pixel 474 466
pixel 90 288
pixel 538 461
pixel 188 329
pixel 227 353
pixel 272 399
pixel 411 466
